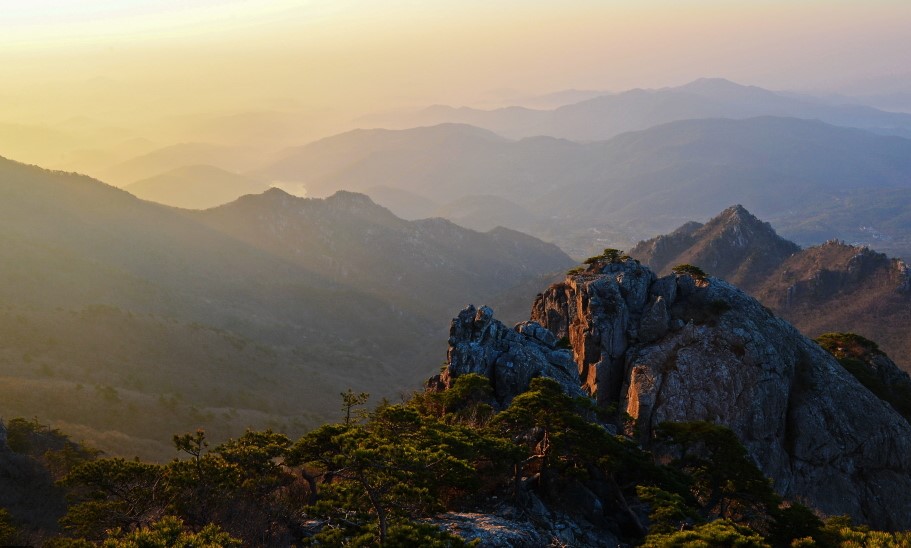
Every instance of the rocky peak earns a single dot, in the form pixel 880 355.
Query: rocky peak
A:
pixel 738 228
pixel 734 245
pixel 739 214
pixel 510 358
pixel 677 348
pixel 598 312
pixel 829 287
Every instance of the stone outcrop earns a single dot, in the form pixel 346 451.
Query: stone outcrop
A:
pixel 492 531
pixel 511 528
pixel 509 357
pixel 598 314
pixel 679 349
pixel 887 373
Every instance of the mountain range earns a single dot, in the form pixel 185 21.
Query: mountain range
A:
pixel 849 182
pixel 594 170
pixel 603 117
pixel 255 313
pixel 123 320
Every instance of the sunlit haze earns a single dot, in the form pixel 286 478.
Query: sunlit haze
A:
pixel 124 77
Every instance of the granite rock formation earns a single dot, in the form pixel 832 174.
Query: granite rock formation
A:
pixel 723 357
pixel 510 358
pixel 683 349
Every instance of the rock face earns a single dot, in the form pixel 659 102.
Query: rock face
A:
pixel 598 314
pixel 510 358
pixel 873 368
pixel 679 349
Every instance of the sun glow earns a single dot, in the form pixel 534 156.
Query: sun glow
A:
pixel 150 70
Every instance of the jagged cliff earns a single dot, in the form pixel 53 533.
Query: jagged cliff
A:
pixel 683 349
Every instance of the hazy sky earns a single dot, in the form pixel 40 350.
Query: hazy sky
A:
pixel 140 63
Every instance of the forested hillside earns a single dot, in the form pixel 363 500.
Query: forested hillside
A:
pixel 114 310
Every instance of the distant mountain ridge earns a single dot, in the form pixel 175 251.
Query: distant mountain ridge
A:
pixel 636 184
pixel 347 237
pixel 605 116
pixel 195 187
pixel 286 298
pixel 824 288
pixel 180 155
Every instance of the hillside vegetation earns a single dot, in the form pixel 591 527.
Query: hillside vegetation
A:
pixel 406 474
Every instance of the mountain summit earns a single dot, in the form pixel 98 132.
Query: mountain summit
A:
pixel 734 245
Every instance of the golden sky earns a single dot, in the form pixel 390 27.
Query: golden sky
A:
pixel 143 68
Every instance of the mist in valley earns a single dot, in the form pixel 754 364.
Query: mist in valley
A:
pixel 223 215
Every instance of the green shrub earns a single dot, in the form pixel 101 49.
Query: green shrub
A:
pixel 717 533
pixel 690 270
pixel 609 256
